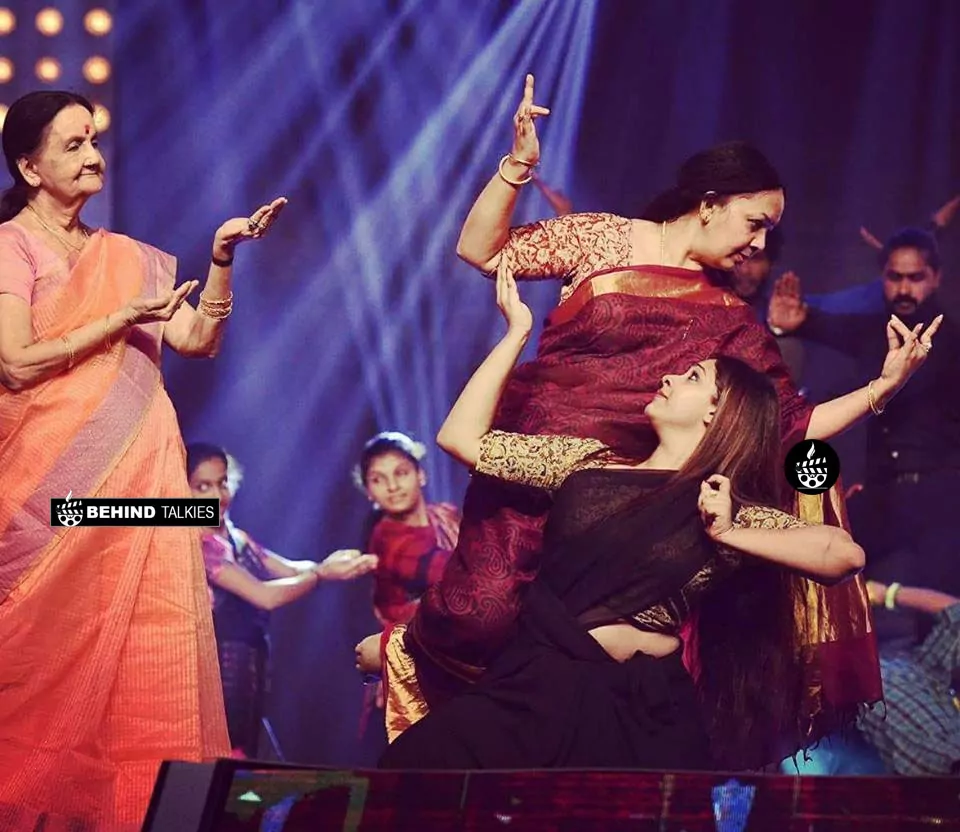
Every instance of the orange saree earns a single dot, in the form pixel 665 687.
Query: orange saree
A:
pixel 107 657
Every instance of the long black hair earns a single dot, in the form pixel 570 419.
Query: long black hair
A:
pixel 24 132
pixel 750 669
pixel 722 171
pixel 750 675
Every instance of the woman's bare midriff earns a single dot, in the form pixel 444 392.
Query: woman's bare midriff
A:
pixel 621 641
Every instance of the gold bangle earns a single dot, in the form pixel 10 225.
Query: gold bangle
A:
pixel 876 408
pixel 107 342
pixel 215 314
pixel 216 310
pixel 227 301
pixel 523 162
pixel 515 182
pixel 70 353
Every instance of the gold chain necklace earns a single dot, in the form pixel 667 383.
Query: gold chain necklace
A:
pixel 60 238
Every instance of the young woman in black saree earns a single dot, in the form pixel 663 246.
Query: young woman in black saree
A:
pixel 594 677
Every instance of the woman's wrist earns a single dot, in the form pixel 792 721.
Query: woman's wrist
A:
pixel 890 595
pixel 222 254
pixel 521 160
pixel 126 317
pixel 513 172
pixel 885 388
pixel 724 532
pixel 114 327
pixel 516 335
pixel 879 392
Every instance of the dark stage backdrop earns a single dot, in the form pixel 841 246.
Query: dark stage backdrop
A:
pixel 381 121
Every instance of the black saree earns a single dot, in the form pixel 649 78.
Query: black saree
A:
pixel 617 545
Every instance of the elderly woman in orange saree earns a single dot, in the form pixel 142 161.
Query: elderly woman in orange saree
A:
pixel 107 658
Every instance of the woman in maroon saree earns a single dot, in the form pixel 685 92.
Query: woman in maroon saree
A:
pixel 640 299
pixel 594 677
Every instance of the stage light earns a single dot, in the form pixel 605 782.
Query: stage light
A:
pixel 101 118
pixel 6 70
pixel 8 21
pixel 49 22
pixel 3 114
pixel 96 69
pixel 98 22
pixel 48 69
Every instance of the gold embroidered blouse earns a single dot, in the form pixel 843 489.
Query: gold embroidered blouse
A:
pixel 571 248
pixel 544 461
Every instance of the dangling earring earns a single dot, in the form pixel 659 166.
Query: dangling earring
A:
pixel 704 216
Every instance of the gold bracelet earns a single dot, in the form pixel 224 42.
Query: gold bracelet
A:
pixel 523 162
pixel 215 314
pixel 216 310
pixel 70 353
pixel 107 341
pixel 515 182
pixel 872 401
pixel 227 301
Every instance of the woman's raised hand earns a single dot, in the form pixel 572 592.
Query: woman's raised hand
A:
pixel 159 309
pixel 907 349
pixel 240 229
pixel 517 314
pixel 526 145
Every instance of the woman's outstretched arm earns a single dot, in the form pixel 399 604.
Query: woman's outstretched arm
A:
pixel 826 553
pixel 903 359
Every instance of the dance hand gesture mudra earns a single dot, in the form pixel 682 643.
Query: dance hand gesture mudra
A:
pixel 517 314
pixel 241 229
pixel 907 349
pixel 516 168
pixel 159 309
pixel 526 144
pixel 716 506
pixel 162 308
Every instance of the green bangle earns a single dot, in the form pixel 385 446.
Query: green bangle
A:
pixel 890 596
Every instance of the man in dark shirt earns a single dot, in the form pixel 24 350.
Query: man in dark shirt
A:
pixel 904 517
